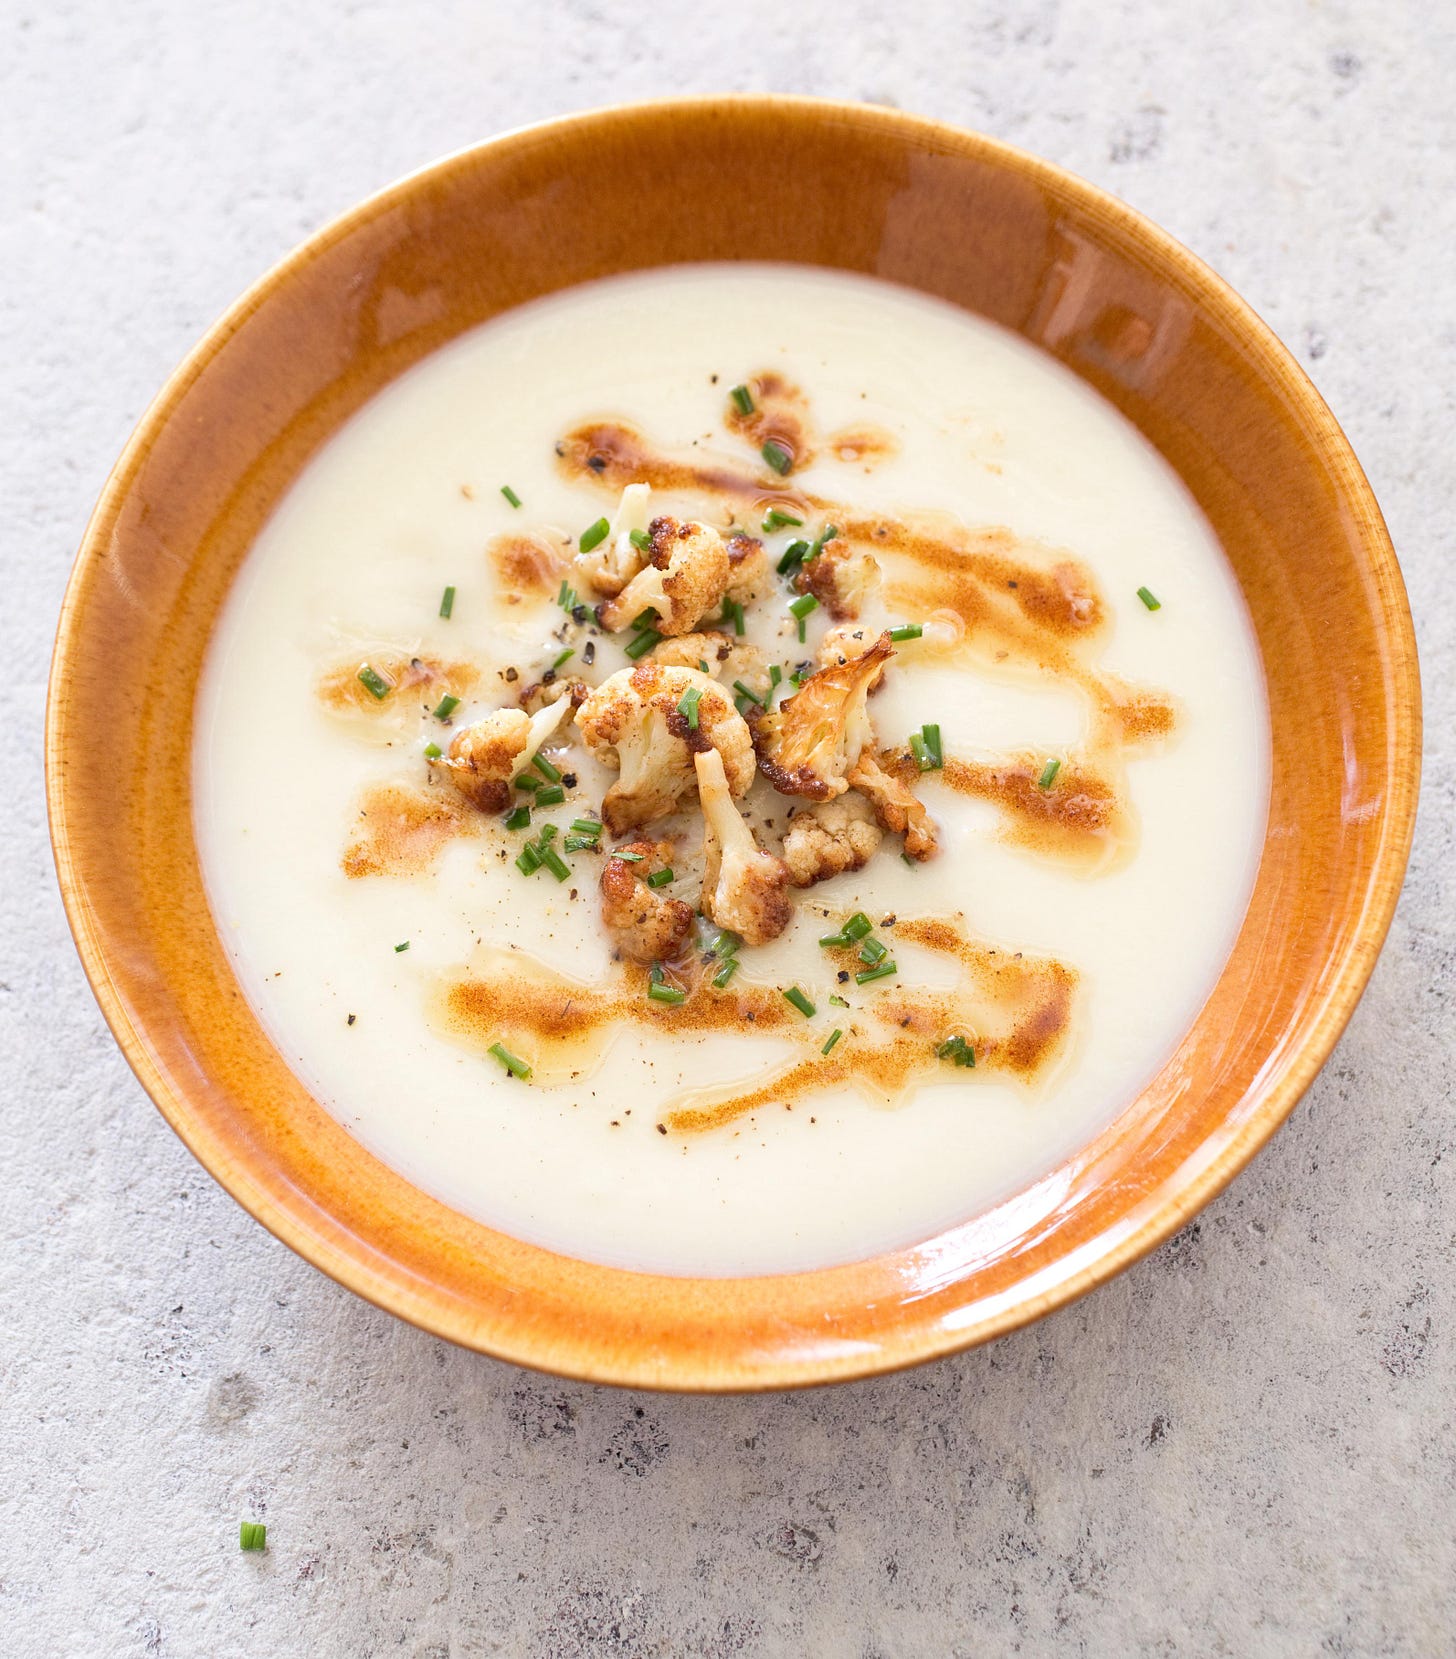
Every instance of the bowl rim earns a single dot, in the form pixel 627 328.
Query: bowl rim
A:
pixel 911 1344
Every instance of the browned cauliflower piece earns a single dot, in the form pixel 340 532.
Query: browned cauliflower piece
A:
pixel 486 757
pixel 636 720
pixel 684 578
pixel 842 580
pixel 646 925
pixel 830 837
pixel 542 694
pixel 807 744
pixel 745 888
pixel 616 559
pixel 846 643
pixel 750 576
pixel 895 807
pixel 693 650
pixel 747 663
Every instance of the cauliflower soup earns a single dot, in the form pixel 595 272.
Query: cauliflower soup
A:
pixel 731 769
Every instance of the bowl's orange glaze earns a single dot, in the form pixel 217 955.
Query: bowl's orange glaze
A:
pixel 868 190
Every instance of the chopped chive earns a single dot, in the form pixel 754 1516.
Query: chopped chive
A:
pixel 825 536
pixel 881 970
pixel 1150 599
pixel 921 753
pixel 252 1535
pixel 931 734
pixel 644 619
pixel 513 1063
pixel 546 769
pixel 593 535
pixel 567 598
pixel 779 458
pixel 743 399
pixel 798 1000
pixel 525 781
pixel 835 941
pixel 520 818
pixel 726 972
pixel 793 557
pixel 548 833
pixel 805 603
pixel 433 751
pixel 565 656
pixel 510 495
pixel 375 684
pixel 907 861
pixel 587 826
pixel 857 926
pixel 872 951
pixel 839 1002
pixel 446 706
pixel 834 1037
pixel 447 603
pixel 579 843
pixel 657 973
pixel 400 947
pixel 528 860
pixel 957 1049
pixel 703 667
pixel 775 674
pixel 688 706
pixel 1049 774
pixel 732 612
pixel 726 943
pixel 666 993
pixel 555 863
pixel 752 696
pixel 643 643
pixel 776 519
pixel 629 858
pixel 640 540
pixel 660 878
pixel 907 630
pixel 552 796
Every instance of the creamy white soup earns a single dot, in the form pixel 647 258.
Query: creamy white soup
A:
pixel 731 770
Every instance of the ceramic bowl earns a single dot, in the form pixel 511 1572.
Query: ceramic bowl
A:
pixel 871 190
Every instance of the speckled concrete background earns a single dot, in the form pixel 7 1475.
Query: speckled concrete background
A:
pixel 1242 1447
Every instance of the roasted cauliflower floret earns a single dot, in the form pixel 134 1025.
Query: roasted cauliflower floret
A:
pixel 746 663
pixel 684 578
pixel 750 576
pixel 895 807
pixel 486 757
pixel 637 720
pixel 807 744
pixel 646 925
pixel 842 580
pixel 744 887
pixel 846 643
pixel 615 560
pixel 542 694
pixel 693 650
pixel 830 837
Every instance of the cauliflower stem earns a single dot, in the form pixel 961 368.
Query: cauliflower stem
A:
pixel 744 888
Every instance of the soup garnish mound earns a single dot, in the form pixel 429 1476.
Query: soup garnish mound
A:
pixel 690 744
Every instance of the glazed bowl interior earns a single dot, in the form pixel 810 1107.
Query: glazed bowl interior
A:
pixel 863 190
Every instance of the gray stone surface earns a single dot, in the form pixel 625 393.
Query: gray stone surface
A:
pixel 1244 1446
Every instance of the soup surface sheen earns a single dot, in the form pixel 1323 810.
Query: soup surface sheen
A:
pixel 1098 906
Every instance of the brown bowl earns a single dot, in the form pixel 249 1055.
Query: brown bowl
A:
pixel 869 190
